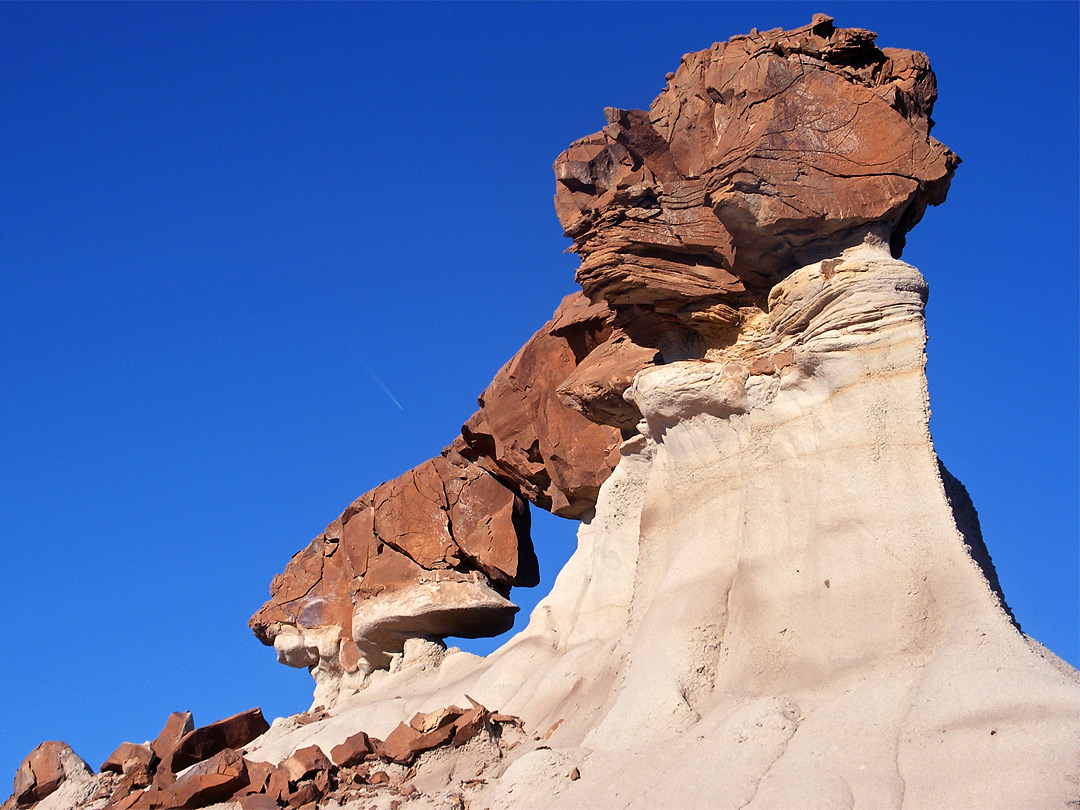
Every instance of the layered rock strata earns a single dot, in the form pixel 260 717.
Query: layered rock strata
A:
pixel 780 597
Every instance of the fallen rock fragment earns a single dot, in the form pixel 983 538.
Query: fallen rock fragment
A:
pixel 44 770
pixel 353 751
pixel 168 739
pixel 208 782
pixel 305 762
pixel 142 754
pixel 230 733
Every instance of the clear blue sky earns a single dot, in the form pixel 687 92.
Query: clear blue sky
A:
pixel 213 216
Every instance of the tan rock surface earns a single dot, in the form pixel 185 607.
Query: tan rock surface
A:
pixel 782 598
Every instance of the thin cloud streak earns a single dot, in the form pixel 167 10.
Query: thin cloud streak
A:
pixel 382 385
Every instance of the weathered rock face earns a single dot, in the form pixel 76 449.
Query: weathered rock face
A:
pixel 761 153
pixel 524 434
pixel 43 771
pixel 429 554
pixel 780 597
pixel 434 552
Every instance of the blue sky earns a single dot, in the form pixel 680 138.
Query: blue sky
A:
pixel 218 222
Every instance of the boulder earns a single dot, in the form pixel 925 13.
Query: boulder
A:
pixel 141 753
pixel 207 741
pixel 305 762
pixel 353 751
pixel 211 781
pixel 168 739
pixel 44 770
pixel 760 153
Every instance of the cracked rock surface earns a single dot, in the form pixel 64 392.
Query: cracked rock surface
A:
pixel 780 597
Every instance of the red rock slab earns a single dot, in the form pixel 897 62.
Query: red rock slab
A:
pixel 353 751
pixel 208 782
pixel 205 742
pixel 167 740
pixel 140 752
pixel 305 762
pixel 43 771
pixel 258 776
pixel 595 388
pixel 469 724
pixel 404 743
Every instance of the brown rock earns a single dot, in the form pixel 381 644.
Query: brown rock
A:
pixel 303 794
pixel 760 152
pixel 305 762
pixel 141 753
pixel 430 721
pixel 354 750
pixel 208 782
pixel 435 549
pixel 205 742
pixel 44 770
pixel 404 743
pixel 525 435
pixel 379 778
pixel 258 776
pixel 178 724
pixel 595 388
pixel 469 724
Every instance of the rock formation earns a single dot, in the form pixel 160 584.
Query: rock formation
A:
pixel 780 597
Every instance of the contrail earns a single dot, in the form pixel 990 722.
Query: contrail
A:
pixel 382 385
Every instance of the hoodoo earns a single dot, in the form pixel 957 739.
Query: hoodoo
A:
pixel 780 596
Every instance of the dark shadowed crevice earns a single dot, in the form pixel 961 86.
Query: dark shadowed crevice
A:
pixel 967 521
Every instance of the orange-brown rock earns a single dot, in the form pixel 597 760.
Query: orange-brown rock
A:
pixel 595 388
pixel 470 723
pixel 211 781
pixel 525 435
pixel 206 741
pixel 353 751
pixel 126 751
pixel 431 553
pixel 43 771
pixel 759 153
pixel 305 762
pixel 167 740
pixel 404 743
